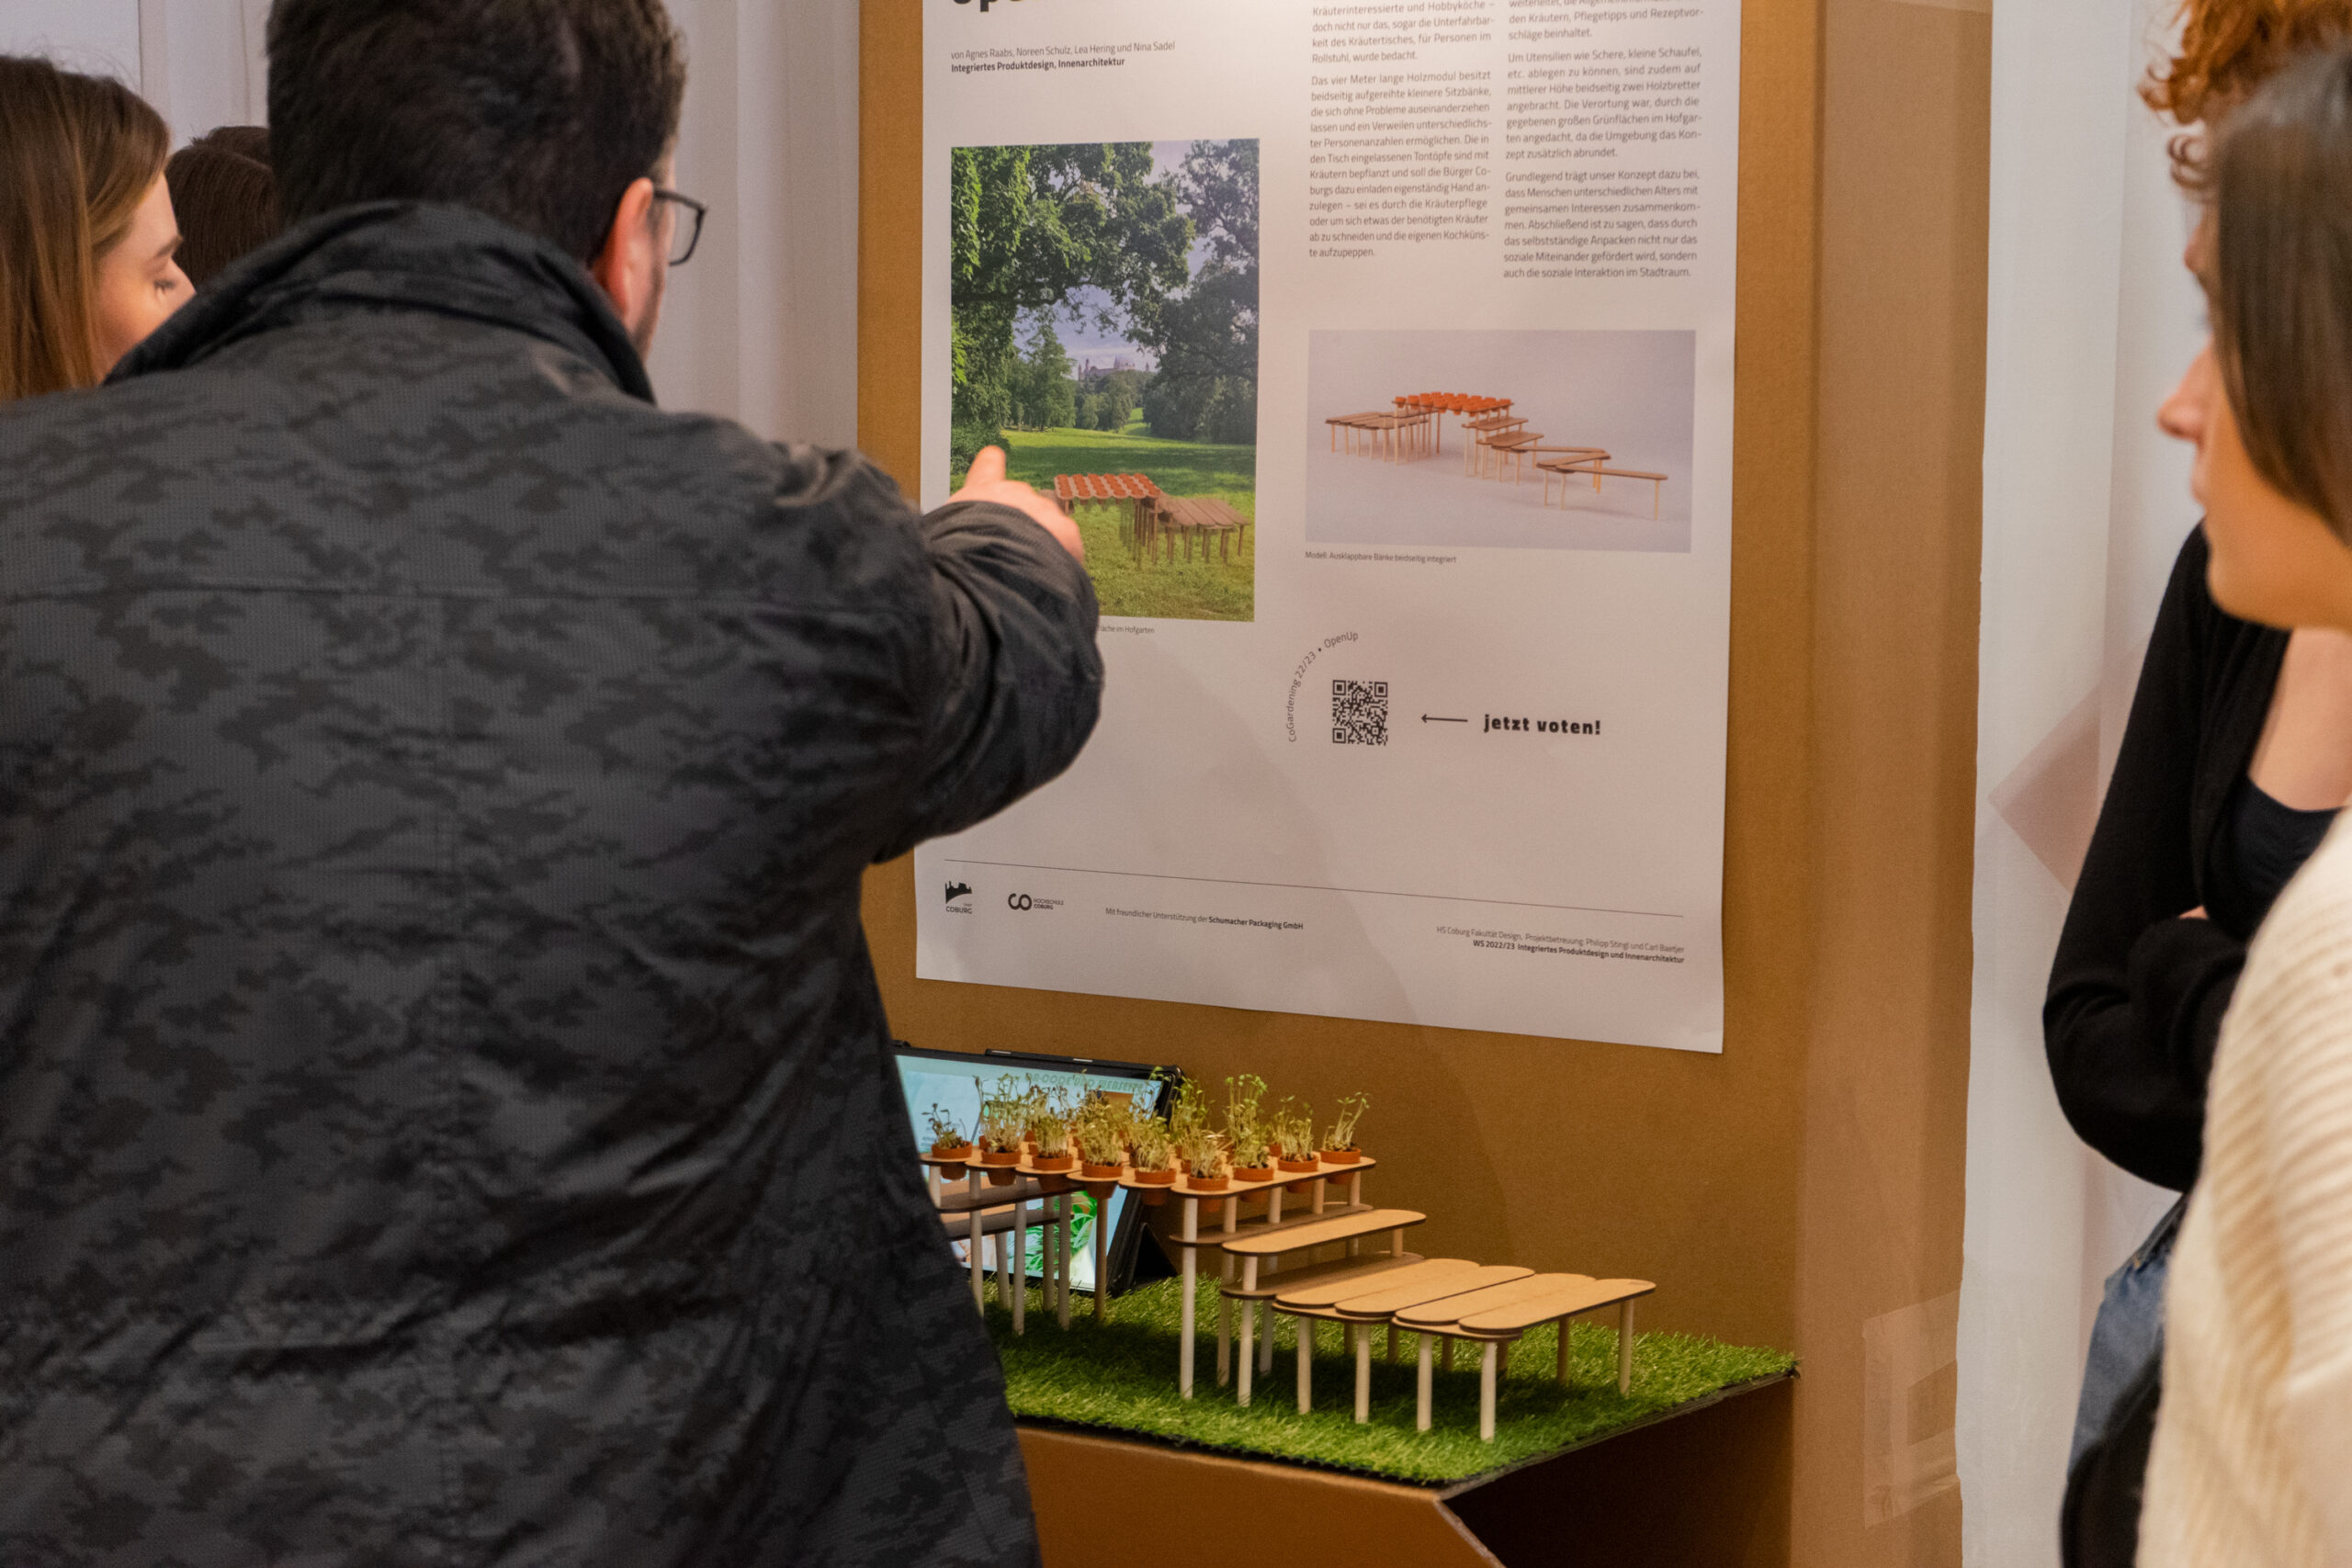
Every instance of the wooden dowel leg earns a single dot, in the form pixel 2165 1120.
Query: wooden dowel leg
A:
pixel 1249 1347
pixel 1016 1263
pixel 979 1279
pixel 1487 1395
pixel 1306 1327
pixel 1266 1346
pixel 1102 1292
pixel 1184 1311
pixel 1363 1371
pixel 1421 1419
pixel 1224 1304
pixel 1625 1347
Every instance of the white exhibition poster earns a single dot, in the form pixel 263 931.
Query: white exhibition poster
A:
pixel 1383 352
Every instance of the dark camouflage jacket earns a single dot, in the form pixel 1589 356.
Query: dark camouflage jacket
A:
pixel 445 1108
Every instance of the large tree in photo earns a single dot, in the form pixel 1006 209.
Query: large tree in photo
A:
pixel 1032 227
pixel 1205 335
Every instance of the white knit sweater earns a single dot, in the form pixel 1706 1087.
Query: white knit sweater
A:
pixel 2253 1459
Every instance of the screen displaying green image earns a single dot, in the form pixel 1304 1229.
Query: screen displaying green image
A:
pixel 955 1085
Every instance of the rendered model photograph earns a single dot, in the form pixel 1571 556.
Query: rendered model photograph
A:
pixel 1501 440
pixel 1106 338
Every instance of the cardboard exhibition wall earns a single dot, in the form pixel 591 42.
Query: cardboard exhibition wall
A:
pixel 1803 1188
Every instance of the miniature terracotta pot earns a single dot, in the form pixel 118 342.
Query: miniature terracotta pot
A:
pixel 1102 1172
pixel 1053 1162
pixel 1206 1183
pixel 1288 1163
pixel 999 1164
pixel 1154 1199
pixel 959 1153
pixel 1341 1157
pixel 1155 1178
pixel 1254 1173
pixel 952 1172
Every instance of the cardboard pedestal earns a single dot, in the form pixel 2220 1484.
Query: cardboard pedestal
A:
pixel 1707 1483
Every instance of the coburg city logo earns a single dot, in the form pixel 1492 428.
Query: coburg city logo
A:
pixel 959 890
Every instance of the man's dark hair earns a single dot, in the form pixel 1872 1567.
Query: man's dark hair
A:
pixel 537 112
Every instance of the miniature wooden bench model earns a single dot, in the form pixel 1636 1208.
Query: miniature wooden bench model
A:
pixel 1439 1299
pixel 1191 1241
pixel 1134 494
pixel 1498 1314
pixel 1272 1243
pixel 1597 466
pixel 1200 515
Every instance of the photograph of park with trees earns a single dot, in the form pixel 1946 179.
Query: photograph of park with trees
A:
pixel 1105 310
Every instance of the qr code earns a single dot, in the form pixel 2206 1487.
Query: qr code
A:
pixel 1360 712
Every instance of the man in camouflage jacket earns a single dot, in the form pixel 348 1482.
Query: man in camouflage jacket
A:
pixel 446 1109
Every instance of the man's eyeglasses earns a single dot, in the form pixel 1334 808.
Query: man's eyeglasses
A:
pixel 688 234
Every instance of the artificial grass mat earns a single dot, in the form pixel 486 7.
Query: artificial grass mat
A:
pixel 1121 1376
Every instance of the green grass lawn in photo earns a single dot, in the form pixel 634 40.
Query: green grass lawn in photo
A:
pixel 1122 1376
pixel 1198 590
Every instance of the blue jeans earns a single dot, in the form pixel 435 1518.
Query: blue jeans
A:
pixel 2129 1332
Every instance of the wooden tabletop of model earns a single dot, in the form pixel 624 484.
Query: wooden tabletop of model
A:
pixel 1274 1239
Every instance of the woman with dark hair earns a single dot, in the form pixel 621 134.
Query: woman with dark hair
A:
pixel 2236 757
pixel 226 196
pixel 2252 1448
pixel 88 235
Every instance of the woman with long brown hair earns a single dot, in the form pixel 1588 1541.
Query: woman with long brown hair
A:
pixel 2235 760
pixel 2252 1459
pixel 87 238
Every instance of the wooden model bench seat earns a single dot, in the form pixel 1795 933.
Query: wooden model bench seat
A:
pixel 1202 516
pixel 1272 1241
pixel 1497 1315
pixel 1374 1301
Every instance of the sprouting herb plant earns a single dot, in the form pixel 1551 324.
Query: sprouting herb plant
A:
pixel 1343 1130
pixel 1050 1116
pixel 1102 1127
pixel 1189 1115
pixel 946 1132
pixel 1245 1120
pixel 1208 1154
pixel 1155 1148
pixel 1294 1130
pixel 1003 1119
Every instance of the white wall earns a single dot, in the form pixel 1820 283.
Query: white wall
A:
pixel 763 325
pixel 2092 318
pixel 99 37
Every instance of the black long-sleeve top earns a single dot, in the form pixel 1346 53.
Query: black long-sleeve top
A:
pixel 2136 992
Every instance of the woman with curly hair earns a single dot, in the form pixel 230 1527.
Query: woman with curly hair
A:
pixel 87 238
pixel 2236 758
pixel 2252 1448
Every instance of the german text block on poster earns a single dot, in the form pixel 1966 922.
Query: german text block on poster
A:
pixel 1383 353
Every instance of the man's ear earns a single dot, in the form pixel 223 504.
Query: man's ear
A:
pixel 626 266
